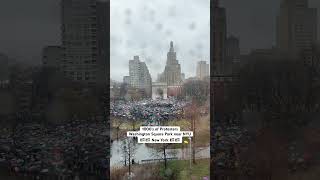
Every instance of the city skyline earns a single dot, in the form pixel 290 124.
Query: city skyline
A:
pixel 254 22
pixel 25 32
pixel 156 78
pixel 144 29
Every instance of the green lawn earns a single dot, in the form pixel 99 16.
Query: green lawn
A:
pixel 184 126
pixel 128 125
pixel 183 123
pixel 198 170
pixel 202 132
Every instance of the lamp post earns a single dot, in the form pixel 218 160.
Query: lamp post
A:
pixel 190 156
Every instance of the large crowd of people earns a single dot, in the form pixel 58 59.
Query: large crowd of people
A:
pixel 225 142
pixel 230 139
pixel 65 149
pixel 78 146
pixel 150 111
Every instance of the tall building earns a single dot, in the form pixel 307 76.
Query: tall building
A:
pixel 85 40
pixel 126 79
pixel 183 77
pixel 202 70
pixel 139 75
pixel 172 71
pixel 219 34
pixel 23 88
pixel 219 38
pixel 51 56
pixel 232 49
pixel 296 27
pixel 4 68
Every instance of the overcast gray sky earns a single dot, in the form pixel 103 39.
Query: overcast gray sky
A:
pixel 29 25
pixel 146 27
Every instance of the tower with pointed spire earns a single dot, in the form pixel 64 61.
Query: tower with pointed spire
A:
pixel 172 72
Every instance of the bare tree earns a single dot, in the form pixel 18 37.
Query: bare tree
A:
pixel 134 122
pixel 128 150
pixel 198 91
pixel 123 89
pixel 192 113
pixel 136 95
pixel 117 122
pixel 164 152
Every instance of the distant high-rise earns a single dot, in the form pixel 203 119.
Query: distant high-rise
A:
pixel 296 27
pixel 183 77
pixel 172 71
pixel 202 70
pixel 232 49
pixel 51 56
pixel 220 34
pixel 139 75
pixel 85 40
pixel 126 79
pixel 4 68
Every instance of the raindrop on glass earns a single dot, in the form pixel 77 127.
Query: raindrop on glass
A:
pixel 192 26
pixel 152 12
pixel 159 26
pixel 129 43
pixel 128 12
pixel 128 21
pixel 192 53
pixel 148 60
pixel 199 46
pixel 143 45
pixel 172 11
pixel 168 32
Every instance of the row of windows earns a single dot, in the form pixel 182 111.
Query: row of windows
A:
pixel 93 43
pixel 79 65
pixel 83 12
pixel 93 56
pixel 87 35
pixel 80 76
pixel 81 57
pixel 79 30
pixel 87 73
pixel 84 78
pixel 84 62
pixel 80 25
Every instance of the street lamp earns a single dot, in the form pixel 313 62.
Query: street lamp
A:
pixel 190 155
